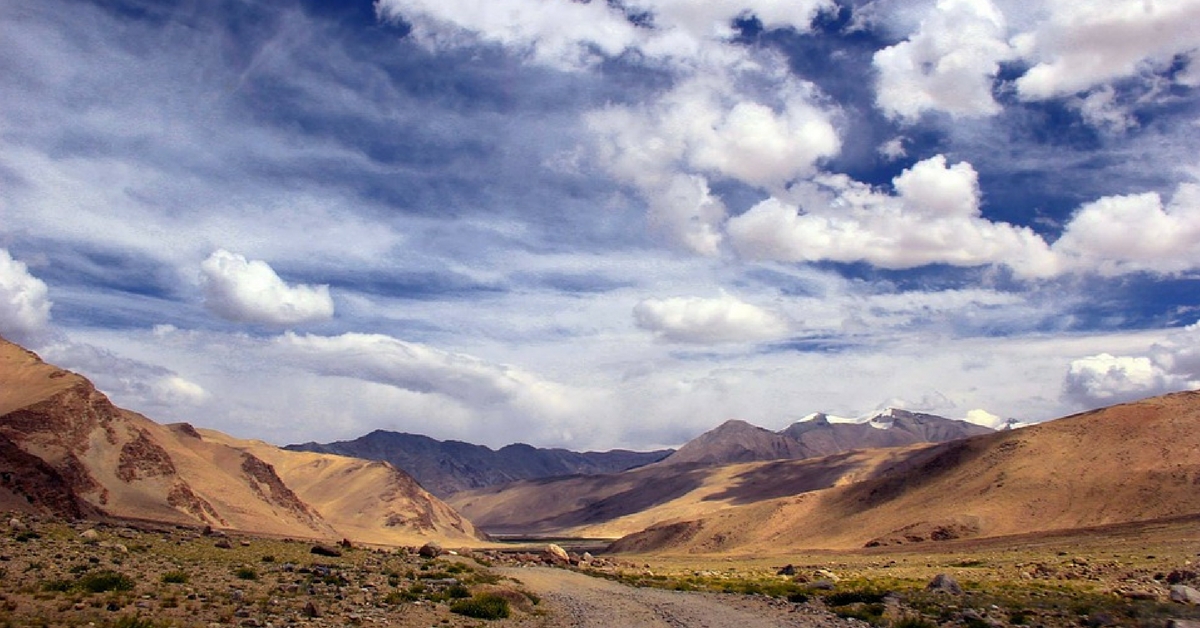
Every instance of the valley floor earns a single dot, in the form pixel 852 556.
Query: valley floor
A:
pixel 575 600
pixel 130 576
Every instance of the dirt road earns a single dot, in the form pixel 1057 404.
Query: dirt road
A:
pixel 579 601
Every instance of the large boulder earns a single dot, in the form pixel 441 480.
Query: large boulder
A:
pixel 555 555
pixel 431 549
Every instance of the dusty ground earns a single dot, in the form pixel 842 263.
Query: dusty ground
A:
pixel 122 576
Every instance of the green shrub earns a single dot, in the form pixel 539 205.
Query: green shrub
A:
pixel 175 577
pixel 458 591
pixel 60 586
pixel 101 581
pixel 485 606
pixel 246 573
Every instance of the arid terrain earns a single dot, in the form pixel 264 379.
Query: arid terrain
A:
pixel 111 519
pixel 55 573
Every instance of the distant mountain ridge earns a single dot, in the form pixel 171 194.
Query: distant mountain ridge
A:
pixel 820 435
pixel 447 467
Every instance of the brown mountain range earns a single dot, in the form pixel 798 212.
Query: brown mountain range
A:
pixel 691 480
pixel 65 449
pixel 1132 462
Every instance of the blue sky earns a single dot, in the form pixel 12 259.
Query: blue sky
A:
pixel 601 224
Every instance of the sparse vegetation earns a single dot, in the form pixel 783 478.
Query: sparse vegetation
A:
pixel 175 577
pixel 103 581
pixel 485 606
pixel 246 573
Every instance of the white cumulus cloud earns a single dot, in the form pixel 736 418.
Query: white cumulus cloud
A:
pixel 1085 44
pixel 1105 379
pixel 1137 232
pixel 250 291
pixel 948 65
pixel 24 304
pixel 934 217
pixel 700 320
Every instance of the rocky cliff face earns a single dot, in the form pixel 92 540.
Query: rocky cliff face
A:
pixel 66 450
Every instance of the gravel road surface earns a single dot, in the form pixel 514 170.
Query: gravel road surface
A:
pixel 576 600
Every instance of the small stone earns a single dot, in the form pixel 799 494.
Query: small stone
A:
pixel 89 534
pixel 1184 594
pixel 826 575
pixel 430 550
pixel 223 544
pixel 942 583
pixel 786 570
pixel 310 610
pixel 325 550
pixel 16 525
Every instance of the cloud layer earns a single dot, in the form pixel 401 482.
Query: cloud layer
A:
pixel 601 223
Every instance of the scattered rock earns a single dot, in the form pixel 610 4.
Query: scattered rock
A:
pixel 1183 623
pixel 825 574
pixel 310 610
pixel 587 557
pixel 942 583
pixel 16 525
pixel 555 554
pixel 430 550
pixel 786 570
pixel 325 550
pixel 90 534
pixel 223 544
pixel 1184 594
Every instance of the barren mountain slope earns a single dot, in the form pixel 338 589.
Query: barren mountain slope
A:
pixel 609 506
pixel 68 450
pixel 1131 462
pixel 366 500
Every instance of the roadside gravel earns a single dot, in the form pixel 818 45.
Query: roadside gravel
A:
pixel 580 601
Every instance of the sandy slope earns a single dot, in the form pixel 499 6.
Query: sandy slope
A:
pixel 1132 462
pixel 69 451
pixel 369 501
pixel 611 506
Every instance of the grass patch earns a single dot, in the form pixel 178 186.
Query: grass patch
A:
pixel 175 577
pixel 485 606
pixel 245 573
pixel 104 581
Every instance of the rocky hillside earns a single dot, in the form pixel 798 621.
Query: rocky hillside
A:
pixel 446 467
pixel 1132 462
pixel 67 450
